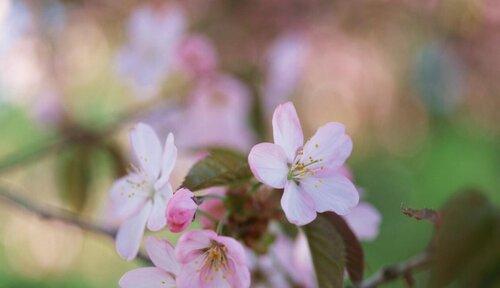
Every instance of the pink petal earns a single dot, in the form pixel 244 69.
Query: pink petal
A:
pixel 189 276
pixel 150 277
pixel 129 236
pixel 147 149
pixel 162 254
pixel 168 161
pixel 364 220
pixel 237 275
pixel 330 146
pixel 213 206
pixel 335 193
pixel 125 198
pixel 191 244
pixel 297 205
pixel 157 218
pixel 268 163
pixel 287 131
pixel 235 250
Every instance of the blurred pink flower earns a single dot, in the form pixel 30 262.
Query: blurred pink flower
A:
pixel 180 210
pixel 141 197
pixel 288 263
pixel 285 61
pixel 308 173
pixel 210 260
pixel 197 56
pixel 364 219
pixel 147 59
pixel 163 275
pixel 216 115
pixel 48 108
pixel 213 206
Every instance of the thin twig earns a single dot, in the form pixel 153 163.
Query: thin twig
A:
pixel 52 213
pixel 396 271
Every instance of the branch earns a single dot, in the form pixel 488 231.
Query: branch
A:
pixel 32 154
pixel 396 271
pixel 52 213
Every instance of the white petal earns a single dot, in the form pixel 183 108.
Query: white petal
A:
pixel 157 220
pixel 269 164
pixel 168 161
pixel 330 146
pixel 147 149
pixel 335 193
pixel 162 254
pixel 126 198
pixel 287 131
pixel 129 236
pixel 150 277
pixel 297 205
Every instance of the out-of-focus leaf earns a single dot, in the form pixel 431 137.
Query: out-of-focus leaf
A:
pixel 422 214
pixel 467 245
pixel 74 175
pixel 220 168
pixel 328 251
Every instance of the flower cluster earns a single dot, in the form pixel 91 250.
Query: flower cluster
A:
pixel 144 199
pixel 313 178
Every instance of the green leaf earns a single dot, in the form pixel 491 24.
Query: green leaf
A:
pixel 220 168
pixel 327 250
pixel 467 244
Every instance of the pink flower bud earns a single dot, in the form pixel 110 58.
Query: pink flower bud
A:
pixel 180 210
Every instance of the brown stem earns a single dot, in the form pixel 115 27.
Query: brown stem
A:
pixel 391 273
pixel 52 213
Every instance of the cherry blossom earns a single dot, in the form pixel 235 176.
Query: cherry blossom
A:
pixel 163 275
pixel 307 172
pixel 364 220
pixel 210 260
pixel 147 59
pixel 216 115
pixel 180 210
pixel 197 56
pixel 285 61
pixel 213 206
pixel 140 198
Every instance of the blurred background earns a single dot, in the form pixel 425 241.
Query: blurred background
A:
pixel 415 82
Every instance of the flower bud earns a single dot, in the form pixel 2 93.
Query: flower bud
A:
pixel 180 210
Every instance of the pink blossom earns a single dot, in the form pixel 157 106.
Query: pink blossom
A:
pixel 285 61
pixel 213 206
pixel 163 275
pixel 216 115
pixel 197 56
pixel 180 210
pixel 364 220
pixel 140 198
pixel 146 60
pixel 308 173
pixel 210 260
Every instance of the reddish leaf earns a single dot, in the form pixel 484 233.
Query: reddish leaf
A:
pixel 354 252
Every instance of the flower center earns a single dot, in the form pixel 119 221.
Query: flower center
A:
pixel 301 170
pixel 215 257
